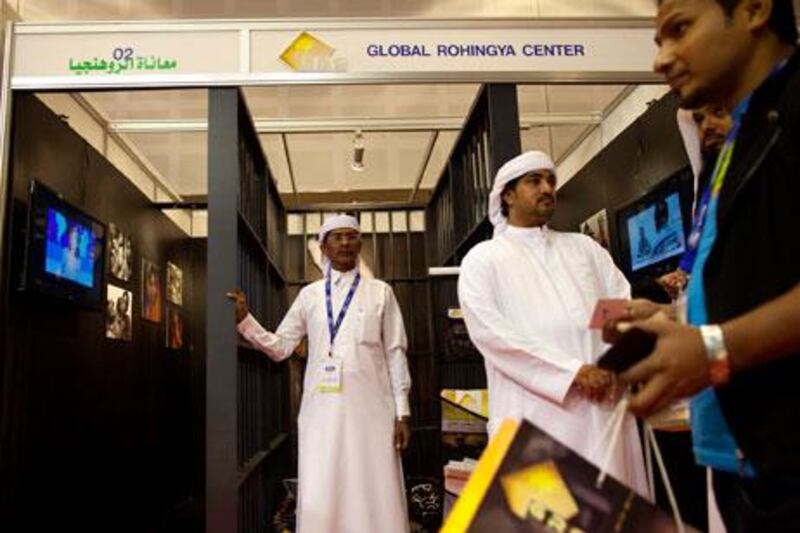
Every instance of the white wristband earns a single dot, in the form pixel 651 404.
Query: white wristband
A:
pixel 718 364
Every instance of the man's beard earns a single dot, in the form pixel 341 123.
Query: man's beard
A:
pixel 546 212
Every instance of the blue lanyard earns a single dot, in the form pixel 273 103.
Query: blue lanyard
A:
pixel 333 327
pixel 720 171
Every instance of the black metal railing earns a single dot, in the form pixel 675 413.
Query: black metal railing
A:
pixel 247 394
pixel 456 216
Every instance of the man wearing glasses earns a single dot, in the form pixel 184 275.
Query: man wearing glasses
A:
pixel 353 420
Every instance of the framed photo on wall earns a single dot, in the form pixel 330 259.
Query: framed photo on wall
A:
pixel 152 295
pixel 175 328
pixel 119 314
pixel 596 227
pixel 174 284
pixel 120 253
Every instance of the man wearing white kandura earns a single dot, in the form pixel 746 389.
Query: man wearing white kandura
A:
pixel 527 296
pixel 353 421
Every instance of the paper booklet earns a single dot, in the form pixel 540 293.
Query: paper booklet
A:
pixel 527 481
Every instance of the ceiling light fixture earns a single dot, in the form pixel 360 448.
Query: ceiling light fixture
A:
pixel 358 152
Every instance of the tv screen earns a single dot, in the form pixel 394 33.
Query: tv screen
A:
pixel 65 249
pixel 71 249
pixel 656 232
pixel 650 233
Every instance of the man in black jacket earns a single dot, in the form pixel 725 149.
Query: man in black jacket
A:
pixel 742 352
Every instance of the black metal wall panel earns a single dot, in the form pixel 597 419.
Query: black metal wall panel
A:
pixel 456 219
pixel 461 365
pixel 96 433
pixel 248 407
pixel 457 214
pixel 648 151
pixel 221 362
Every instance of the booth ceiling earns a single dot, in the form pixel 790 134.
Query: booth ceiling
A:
pixel 307 133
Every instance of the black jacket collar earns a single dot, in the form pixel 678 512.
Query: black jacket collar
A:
pixel 762 126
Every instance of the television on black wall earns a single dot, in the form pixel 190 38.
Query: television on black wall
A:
pixel 64 249
pixel 652 231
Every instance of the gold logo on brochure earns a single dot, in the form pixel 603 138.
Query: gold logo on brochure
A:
pixel 539 492
pixel 309 53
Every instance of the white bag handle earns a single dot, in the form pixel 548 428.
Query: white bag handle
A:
pixel 676 513
pixel 613 429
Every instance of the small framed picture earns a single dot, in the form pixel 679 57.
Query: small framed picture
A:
pixel 175 328
pixel 120 253
pixel 119 321
pixel 174 284
pixel 596 227
pixel 152 299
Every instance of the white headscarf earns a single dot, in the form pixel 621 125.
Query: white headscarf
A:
pixel 337 222
pixel 513 169
pixel 690 133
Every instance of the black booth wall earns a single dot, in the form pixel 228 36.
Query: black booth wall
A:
pixel 97 433
pixel 646 153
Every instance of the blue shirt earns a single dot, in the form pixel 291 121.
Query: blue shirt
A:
pixel 712 440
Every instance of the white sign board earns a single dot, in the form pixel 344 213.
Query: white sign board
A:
pixel 125 54
pixel 424 50
pixel 209 53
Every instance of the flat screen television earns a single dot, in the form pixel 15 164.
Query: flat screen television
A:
pixel 651 231
pixel 64 249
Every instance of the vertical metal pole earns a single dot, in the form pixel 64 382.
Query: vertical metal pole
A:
pixel 221 357
pixel 393 272
pixel 6 106
pixel 412 287
pixel 375 253
pixel 409 263
pixel 6 360
pixel 452 235
pixel 304 247
pixel 504 140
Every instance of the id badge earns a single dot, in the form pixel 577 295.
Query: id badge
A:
pixel 331 381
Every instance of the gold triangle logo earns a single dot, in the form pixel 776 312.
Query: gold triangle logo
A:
pixel 304 49
pixel 539 486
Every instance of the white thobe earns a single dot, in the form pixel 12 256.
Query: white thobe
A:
pixel 350 474
pixel 527 297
